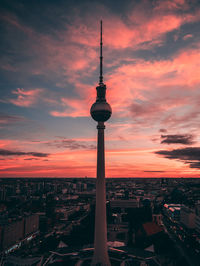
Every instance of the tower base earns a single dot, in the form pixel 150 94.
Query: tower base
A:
pixel 102 262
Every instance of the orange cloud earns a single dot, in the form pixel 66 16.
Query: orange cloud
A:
pixel 130 163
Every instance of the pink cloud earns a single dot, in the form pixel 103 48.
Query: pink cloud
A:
pixel 77 107
pixel 25 98
pixel 187 36
pixel 164 78
pixel 167 5
pixel 140 27
pixel 62 55
pixel 144 26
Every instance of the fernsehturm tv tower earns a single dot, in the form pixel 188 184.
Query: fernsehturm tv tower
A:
pixel 100 112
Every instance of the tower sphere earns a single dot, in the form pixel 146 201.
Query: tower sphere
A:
pixel 101 111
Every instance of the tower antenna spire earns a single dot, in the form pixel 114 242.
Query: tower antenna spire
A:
pixel 101 56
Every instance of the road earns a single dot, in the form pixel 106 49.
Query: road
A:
pixel 183 250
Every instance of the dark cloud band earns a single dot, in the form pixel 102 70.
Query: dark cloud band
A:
pixel 185 139
pixel 21 153
pixel 10 119
pixel 71 144
pixel 190 155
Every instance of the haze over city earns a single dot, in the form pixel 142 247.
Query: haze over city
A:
pixel 49 71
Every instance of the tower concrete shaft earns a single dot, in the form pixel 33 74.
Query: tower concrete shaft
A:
pixel 100 256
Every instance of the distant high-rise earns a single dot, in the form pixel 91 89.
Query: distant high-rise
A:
pixel 100 112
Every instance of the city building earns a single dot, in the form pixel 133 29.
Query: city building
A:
pixel 13 233
pixel 197 223
pixel 187 217
pixel 124 204
pixel 31 224
pixel 157 218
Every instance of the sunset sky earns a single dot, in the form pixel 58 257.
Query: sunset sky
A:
pixel 49 69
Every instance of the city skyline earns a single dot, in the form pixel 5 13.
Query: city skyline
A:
pixel 49 71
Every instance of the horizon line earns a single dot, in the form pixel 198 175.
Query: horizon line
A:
pixel 86 177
